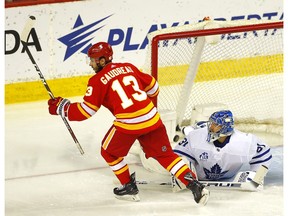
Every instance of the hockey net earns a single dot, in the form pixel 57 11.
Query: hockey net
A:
pixel 236 63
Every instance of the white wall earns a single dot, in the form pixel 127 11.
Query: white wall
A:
pixel 125 27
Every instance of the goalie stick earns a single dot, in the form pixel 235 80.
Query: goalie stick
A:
pixel 24 38
pixel 245 186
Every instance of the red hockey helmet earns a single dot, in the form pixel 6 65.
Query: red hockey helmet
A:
pixel 101 49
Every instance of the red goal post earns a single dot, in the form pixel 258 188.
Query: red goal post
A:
pixel 236 63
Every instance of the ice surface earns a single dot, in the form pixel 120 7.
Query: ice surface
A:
pixel 45 175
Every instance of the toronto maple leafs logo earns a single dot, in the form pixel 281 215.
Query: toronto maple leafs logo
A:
pixel 215 172
pixel 204 156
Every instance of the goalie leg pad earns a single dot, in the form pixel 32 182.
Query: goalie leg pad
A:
pixel 177 185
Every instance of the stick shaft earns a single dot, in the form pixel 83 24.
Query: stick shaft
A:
pixel 42 78
pixel 248 186
pixel 52 96
pixel 24 37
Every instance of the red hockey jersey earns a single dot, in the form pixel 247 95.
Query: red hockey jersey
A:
pixel 126 92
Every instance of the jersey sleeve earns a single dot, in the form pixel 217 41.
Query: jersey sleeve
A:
pixel 81 111
pixel 91 104
pixel 149 83
pixel 184 149
pixel 261 154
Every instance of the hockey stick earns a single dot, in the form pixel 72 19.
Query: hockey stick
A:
pixel 24 38
pixel 246 186
pixel 213 184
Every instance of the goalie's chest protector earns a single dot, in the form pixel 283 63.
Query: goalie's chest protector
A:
pixel 213 163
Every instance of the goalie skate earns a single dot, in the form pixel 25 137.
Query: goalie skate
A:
pixel 129 191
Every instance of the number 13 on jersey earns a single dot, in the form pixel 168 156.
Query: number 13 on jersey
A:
pixel 139 95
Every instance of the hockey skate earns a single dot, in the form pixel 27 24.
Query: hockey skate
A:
pixel 128 191
pixel 200 193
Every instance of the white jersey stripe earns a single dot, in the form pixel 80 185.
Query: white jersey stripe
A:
pixel 140 119
pixel 88 109
pixel 154 89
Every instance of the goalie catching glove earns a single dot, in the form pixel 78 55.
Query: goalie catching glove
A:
pixel 58 106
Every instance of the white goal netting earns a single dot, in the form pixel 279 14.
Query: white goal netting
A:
pixel 236 63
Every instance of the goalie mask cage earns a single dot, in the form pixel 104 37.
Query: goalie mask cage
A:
pixel 236 63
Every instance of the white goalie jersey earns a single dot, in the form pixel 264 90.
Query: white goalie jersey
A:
pixel 216 163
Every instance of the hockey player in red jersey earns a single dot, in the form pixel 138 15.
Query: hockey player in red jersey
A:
pixel 127 93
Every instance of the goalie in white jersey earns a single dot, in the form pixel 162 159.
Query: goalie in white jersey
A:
pixel 217 151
